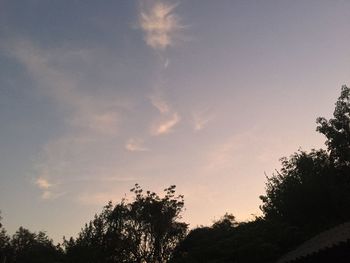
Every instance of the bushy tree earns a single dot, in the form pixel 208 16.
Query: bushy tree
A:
pixel 5 248
pixel 33 247
pixel 310 193
pixel 207 244
pixel 312 190
pixel 145 230
pixel 227 222
pixel 255 241
pixel 337 130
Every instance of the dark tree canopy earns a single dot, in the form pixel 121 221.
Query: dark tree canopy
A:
pixel 310 193
pixel 227 222
pixel 255 241
pixel 33 247
pixel 5 246
pixel 337 129
pixel 303 193
pixel 145 230
pixel 28 247
pixel 312 190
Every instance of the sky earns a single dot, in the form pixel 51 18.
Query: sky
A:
pixel 96 96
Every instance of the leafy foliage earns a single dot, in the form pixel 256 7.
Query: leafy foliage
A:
pixel 28 247
pixel 5 246
pixel 145 230
pixel 337 130
pixel 302 193
pixel 309 194
pixel 32 247
pixel 259 240
pixel 227 222
pixel 312 189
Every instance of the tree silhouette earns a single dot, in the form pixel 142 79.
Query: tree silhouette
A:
pixel 310 193
pixel 227 222
pixel 312 190
pixel 30 247
pixel 337 130
pixel 303 192
pixel 5 248
pixel 145 230
pixel 256 241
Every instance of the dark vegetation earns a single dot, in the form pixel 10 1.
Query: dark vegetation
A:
pixel 310 193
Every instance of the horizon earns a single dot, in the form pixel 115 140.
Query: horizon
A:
pixel 205 96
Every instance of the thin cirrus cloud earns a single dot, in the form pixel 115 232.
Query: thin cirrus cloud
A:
pixel 160 104
pixel 169 120
pixel 43 183
pixel 95 115
pixel 92 122
pixel 47 188
pixel 135 145
pixel 167 126
pixel 201 120
pixel 159 24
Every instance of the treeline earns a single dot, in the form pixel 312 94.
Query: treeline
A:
pixel 310 193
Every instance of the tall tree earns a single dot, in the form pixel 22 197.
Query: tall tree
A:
pixel 312 190
pixel 33 247
pixel 228 241
pixel 305 192
pixel 5 248
pixel 337 129
pixel 145 230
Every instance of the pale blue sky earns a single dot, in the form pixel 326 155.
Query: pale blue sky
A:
pixel 207 95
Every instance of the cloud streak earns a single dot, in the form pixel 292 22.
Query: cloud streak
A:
pixel 159 24
pixel 135 145
pixel 43 183
pixel 89 113
pixel 169 117
pixel 160 104
pixel 92 120
pixel 47 188
pixel 167 126
pixel 200 120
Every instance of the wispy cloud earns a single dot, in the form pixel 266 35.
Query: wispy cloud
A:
pixel 47 188
pixel 92 119
pixel 167 126
pixel 159 23
pixel 160 104
pixel 43 183
pixel 200 120
pixel 169 117
pixel 89 113
pixel 135 145
pixel 166 63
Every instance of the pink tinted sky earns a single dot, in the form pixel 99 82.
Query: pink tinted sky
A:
pixel 207 95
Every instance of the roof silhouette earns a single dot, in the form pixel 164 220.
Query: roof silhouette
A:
pixel 325 240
